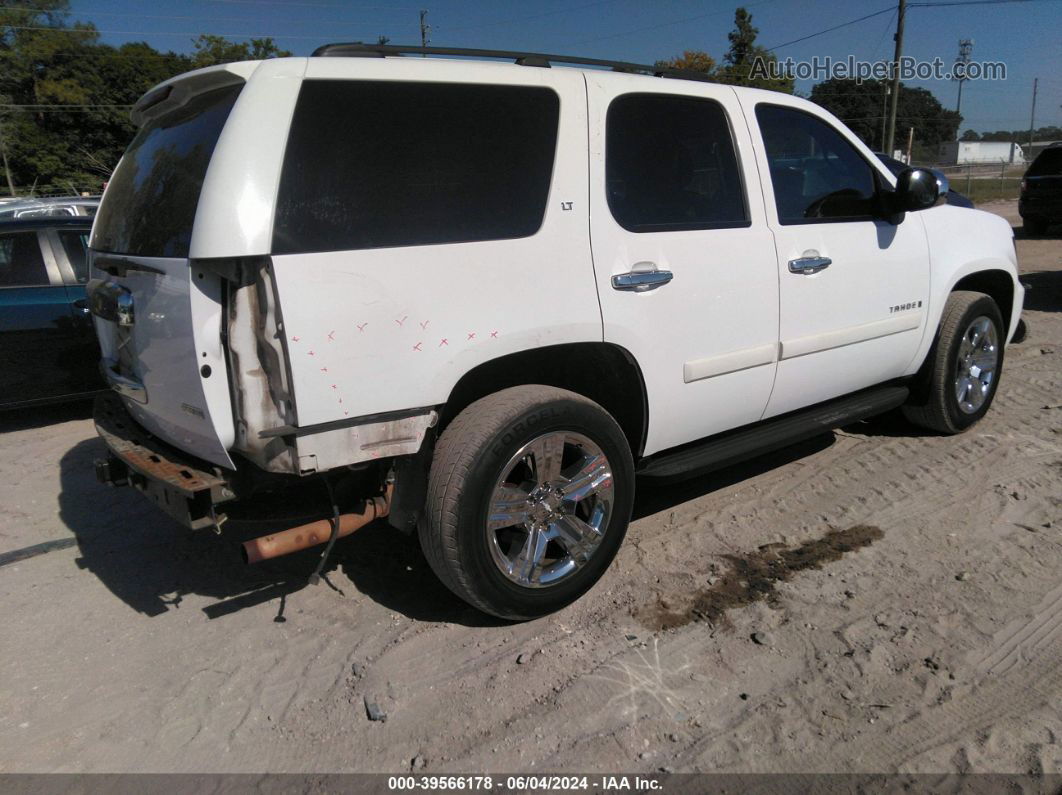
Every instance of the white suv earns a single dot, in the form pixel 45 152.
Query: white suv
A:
pixel 481 297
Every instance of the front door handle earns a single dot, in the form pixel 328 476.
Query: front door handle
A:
pixel 82 304
pixel 809 265
pixel 641 278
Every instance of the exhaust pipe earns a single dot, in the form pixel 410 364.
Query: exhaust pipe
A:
pixel 310 535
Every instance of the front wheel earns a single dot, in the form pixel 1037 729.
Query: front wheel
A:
pixel 961 374
pixel 529 498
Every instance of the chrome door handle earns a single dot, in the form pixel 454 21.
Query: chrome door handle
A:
pixel 809 265
pixel 641 280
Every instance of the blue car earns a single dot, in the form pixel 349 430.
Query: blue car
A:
pixel 48 348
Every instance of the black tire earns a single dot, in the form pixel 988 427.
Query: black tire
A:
pixel 469 458
pixel 1034 226
pixel 933 403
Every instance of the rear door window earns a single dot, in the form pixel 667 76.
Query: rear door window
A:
pixel 670 165
pixel 21 262
pixel 373 164
pixel 152 197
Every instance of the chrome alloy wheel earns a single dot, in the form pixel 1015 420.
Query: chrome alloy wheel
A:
pixel 976 365
pixel 550 509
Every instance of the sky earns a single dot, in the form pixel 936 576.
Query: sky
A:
pixel 1026 36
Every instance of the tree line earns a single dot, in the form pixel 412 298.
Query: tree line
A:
pixel 65 96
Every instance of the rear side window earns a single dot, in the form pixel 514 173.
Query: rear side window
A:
pixel 371 164
pixel 21 263
pixel 670 165
pixel 1047 164
pixel 152 197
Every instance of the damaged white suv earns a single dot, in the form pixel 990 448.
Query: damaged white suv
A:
pixel 479 298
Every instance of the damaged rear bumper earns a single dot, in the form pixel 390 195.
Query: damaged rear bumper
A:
pixel 184 487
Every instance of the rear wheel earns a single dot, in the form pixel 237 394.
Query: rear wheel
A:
pixel 529 498
pixel 962 371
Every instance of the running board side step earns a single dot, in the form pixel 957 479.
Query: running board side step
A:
pixel 739 445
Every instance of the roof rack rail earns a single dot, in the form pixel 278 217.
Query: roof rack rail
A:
pixel 545 60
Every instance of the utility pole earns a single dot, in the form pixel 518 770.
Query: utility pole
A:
pixel 425 28
pixel 965 48
pixel 1032 116
pixel 890 138
pixel 910 145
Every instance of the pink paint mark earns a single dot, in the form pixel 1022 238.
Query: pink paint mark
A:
pixel 333 386
pixel 471 335
pixel 331 336
pixel 361 326
pixel 424 325
pixel 324 369
pixel 403 320
pixel 294 339
pixel 443 341
pixel 417 346
pixel 494 335
pixel 312 353
pixel 346 412
pixel 341 400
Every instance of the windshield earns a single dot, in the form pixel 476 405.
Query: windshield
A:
pixel 152 198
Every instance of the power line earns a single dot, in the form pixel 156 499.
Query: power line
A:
pixel 194 18
pixel 909 5
pixel 662 25
pixel 888 10
pixel 90 31
pixel 510 20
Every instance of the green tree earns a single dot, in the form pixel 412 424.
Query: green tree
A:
pixel 211 50
pixel 749 64
pixel 970 135
pixel 690 61
pixel 862 106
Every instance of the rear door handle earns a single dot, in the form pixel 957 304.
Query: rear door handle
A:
pixel 809 265
pixel 641 278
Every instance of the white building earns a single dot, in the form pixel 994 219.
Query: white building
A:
pixel 957 153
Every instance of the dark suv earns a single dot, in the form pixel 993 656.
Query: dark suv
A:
pixel 48 350
pixel 1040 204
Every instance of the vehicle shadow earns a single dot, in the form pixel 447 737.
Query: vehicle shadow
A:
pixel 152 563
pixel 1052 232
pixel 655 495
pixel 1046 292
pixel 40 416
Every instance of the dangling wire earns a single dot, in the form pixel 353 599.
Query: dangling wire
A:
pixel 316 576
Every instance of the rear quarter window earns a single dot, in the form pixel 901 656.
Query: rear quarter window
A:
pixel 153 195
pixel 373 164
pixel 1047 164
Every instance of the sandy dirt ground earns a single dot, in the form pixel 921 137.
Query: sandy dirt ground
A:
pixel 874 600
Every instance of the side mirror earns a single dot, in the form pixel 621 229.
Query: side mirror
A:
pixel 920 189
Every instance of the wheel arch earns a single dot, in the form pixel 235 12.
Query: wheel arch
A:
pixel 600 371
pixel 994 282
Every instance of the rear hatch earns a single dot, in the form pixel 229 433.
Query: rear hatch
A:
pixel 158 317
pixel 1043 180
